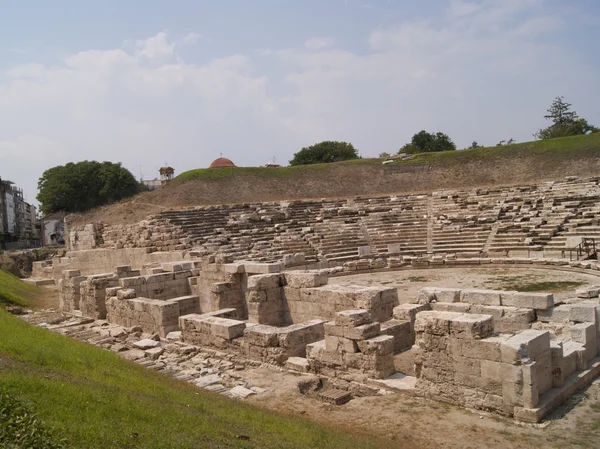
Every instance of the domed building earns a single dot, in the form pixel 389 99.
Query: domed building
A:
pixel 221 162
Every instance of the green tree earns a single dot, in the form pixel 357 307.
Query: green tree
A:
pixel 565 122
pixel 424 142
pixel 325 152
pixel 84 185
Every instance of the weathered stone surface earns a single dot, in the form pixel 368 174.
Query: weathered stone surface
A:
pixel 353 318
pixel 146 344
pixel 538 301
pixel 481 297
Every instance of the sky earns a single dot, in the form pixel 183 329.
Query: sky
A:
pixel 151 82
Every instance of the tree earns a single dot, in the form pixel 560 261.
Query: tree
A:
pixel 565 122
pixel 424 142
pixel 84 185
pixel 384 155
pixel 325 152
pixel 475 145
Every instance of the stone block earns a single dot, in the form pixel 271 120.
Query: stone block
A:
pixel 471 326
pixel 296 335
pixel 305 279
pixel 501 372
pixel 588 292
pixel 558 314
pixel 441 294
pixel 401 331
pixel 408 312
pixel 363 332
pixel 481 297
pixel 434 323
pixel 340 344
pixel 126 293
pixel 265 282
pixel 234 268
pixel 380 345
pixel 528 344
pixel 538 301
pixel 586 334
pixel 458 307
pixel 484 349
pixel 261 335
pixel 584 313
pixel 263 268
pixel 353 318
pixel 299 364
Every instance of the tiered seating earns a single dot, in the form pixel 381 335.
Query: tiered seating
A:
pixel 462 220
pixel 396 223
pixel 500 220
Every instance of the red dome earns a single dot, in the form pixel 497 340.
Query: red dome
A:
pixel 221 162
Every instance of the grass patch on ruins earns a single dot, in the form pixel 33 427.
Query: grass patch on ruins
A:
pixel 525 284
pixel 13 291
pixel 95 399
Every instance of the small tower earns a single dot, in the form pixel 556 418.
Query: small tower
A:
pixel 166 173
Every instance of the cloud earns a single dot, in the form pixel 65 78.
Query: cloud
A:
pixel 482 73
pixel 157 47
pixel 318 43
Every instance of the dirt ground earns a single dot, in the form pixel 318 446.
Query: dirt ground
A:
pixel 400 420
pixel 408 282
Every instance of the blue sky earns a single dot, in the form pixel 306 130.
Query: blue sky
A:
pixel 149 82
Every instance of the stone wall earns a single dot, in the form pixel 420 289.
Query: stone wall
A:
pixel 458 359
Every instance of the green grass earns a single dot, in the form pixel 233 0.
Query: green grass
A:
pixel 547 150
pixel 95 399
pixel 13 291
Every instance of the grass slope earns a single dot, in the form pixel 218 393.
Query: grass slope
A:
pixel 95 399
pixel 13 291
pixel 576 146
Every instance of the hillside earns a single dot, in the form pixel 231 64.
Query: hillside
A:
pixel 94 399
pixel 521 163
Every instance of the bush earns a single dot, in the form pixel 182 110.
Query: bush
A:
pixel 325 152
pixel 21 428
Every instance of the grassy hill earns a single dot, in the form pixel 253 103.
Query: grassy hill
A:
pixel 94 399
pixel 521 163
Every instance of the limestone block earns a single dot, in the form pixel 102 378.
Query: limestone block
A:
pixel 340 344
pixel 531 390
pixel 558 314
pixel 528 344
pixel 557 361
pixel 538 301
pixel 504 373
pixel 408 312
pixel 402 332
pixel 481 297
pixel 301 334
pixel 333 330
pixel 588 292
pixel 256 296
pixel 353 318
pixel 434 323
pixel 380 345
pixel 496 312
pixel 263 268
pixel 299 364
pixel 305 279
pixel 585 333
pixel 484 349
pixel 265 281
pixel 471 326
pixel 233 268
pixel 126 293
pixel 441 294
pixel 362 332
pixel 261 335
pixel 458 307
pixel 585 313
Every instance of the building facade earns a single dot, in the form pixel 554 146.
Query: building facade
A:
pixel 19 225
